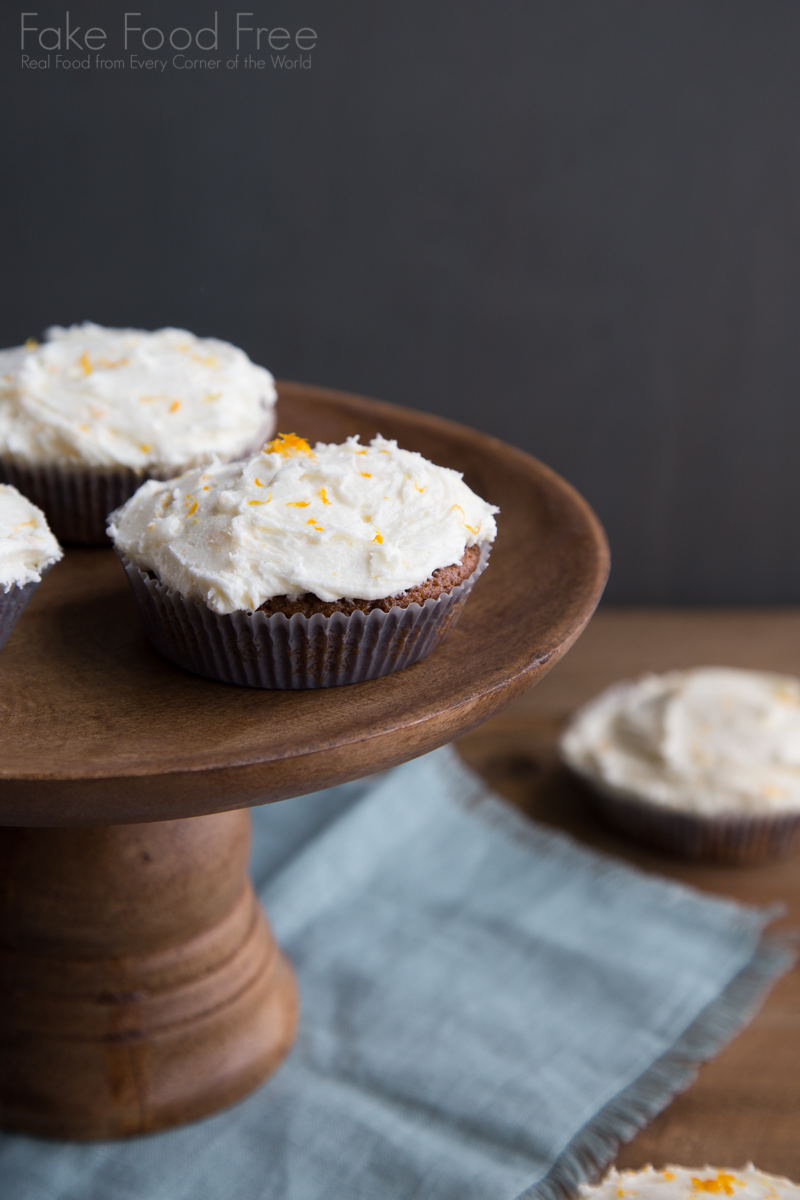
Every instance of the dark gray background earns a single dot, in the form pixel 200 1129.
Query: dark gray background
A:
pixel 572 223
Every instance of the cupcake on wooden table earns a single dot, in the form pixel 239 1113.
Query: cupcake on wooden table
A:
pixel 91 413
pixel 27 550
pixel 704 762
pixel 300 568
pixel 689 1183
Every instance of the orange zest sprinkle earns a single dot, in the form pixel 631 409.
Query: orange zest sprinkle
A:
pixel 297 504
pixel 378 538
pixel 174 406
pixel 256 501
pixel 258 482
pixel 145 448
pixel 86 365
pixel 325 499
pixel 111 366
pixel 668 1175
pixel 419 489
pixel 205 489
pixel 722 1182
pixel 193 509
pixel 366 474
pixel 289 445
pixel 360 452
pixel 31 344
pixel 313 521
pixel 471 528
pixel 85 428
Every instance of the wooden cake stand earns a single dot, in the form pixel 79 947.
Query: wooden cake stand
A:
pixel 140 986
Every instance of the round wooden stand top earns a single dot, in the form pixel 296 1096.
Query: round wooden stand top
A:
pixel 97 728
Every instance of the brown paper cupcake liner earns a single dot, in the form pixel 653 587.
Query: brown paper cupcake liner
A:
pixel 252 649
pixel 77 500
pixel 13 604
pixel 735 839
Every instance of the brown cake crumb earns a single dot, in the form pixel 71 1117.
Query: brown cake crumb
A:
pixel 443 580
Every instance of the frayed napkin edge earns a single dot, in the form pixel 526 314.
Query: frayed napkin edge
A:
pixel 596 1145
pixel 477 798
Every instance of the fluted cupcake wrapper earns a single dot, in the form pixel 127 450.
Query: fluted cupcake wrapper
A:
pixel 734 838
pixel 13 604
pixel 77 500
pixel 253 649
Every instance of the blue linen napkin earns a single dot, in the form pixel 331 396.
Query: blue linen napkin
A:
pixel 488 1009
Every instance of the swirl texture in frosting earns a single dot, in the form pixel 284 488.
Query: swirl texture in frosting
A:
pixel 338 521
pixel 125 397
pixel 711 741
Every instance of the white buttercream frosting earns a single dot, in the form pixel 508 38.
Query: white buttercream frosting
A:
pixel 688 1183
pixel 124 397
pixel 710 741
pixel 27 546
pixel 339 521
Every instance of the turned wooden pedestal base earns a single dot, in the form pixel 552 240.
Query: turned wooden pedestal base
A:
pixel 140 985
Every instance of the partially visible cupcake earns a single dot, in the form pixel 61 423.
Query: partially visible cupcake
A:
pixel 704 763
pixel 91 413
pixel 27 550
pixel 690 1183
pixel 301 568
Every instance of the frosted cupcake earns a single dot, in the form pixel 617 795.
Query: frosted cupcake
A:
pixel 91 413
pixel 704 762
pixel 27 550
pixel 300 568
pixel 686 1183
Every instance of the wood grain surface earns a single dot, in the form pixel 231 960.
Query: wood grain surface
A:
pixel 745 1104
pixel 140 986
pixel 97 727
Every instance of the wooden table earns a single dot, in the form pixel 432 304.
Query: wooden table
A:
pixel 745 1104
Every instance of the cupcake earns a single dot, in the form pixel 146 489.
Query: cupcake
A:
pixel 301 568
pixel 27 550
pixel 91 413
pixel 686 1183
pixel 703 763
